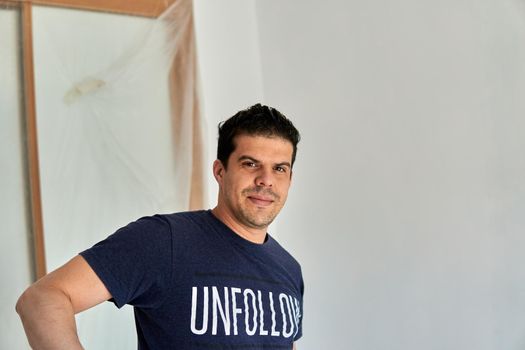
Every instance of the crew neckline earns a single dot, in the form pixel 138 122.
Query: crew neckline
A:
pixel 238 239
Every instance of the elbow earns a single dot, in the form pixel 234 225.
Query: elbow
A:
pixel 29 300
pixel 23 301
pixel 41 296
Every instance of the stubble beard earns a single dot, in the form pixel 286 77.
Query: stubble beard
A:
pixel 256 220
pixel 254 217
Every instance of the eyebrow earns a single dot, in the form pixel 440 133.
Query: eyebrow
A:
pixel 284 164
pixel 245 157
pixel 241 158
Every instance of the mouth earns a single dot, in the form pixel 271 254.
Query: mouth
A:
pixel 261 201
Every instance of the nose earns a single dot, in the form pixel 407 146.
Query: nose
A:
pixel 264 178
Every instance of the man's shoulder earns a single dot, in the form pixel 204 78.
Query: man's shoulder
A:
pixel 150 226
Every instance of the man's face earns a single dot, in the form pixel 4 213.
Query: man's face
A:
pixel 254 187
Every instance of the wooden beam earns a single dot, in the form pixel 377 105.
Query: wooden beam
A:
pixel 32 142
pixel 7 4
pixel 144 8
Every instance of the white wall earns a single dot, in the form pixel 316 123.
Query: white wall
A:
pixel 230 68
pixel 408 205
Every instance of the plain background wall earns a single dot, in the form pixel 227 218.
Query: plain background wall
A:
pixel 408 205
pixel 229 64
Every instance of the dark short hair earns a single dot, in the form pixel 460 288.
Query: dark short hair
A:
pixel 257 120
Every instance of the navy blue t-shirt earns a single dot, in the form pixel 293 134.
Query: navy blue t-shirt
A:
pixel 196 284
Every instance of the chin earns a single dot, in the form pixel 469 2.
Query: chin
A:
pixel 261 222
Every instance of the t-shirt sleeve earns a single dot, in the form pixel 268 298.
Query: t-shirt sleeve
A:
pixel 135 263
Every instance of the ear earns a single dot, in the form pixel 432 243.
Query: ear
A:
pixel 218 170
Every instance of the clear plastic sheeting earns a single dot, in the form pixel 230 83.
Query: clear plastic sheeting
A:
pixel 117 122
pixel 15 251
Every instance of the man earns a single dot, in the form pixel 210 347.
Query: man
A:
pixel 197 280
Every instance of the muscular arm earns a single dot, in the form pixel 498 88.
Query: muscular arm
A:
pixel 48 307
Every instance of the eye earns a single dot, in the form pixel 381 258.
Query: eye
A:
pixel 249 164
pixel 280 169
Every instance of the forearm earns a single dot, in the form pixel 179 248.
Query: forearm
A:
pixel 48 318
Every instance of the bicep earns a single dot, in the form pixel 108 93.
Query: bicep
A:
pixel 77 280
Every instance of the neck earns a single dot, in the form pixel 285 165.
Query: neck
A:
pixel 254 235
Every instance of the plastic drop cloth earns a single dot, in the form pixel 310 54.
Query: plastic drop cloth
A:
pixel 119 133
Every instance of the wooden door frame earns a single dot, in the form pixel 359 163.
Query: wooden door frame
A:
pixel 144 8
